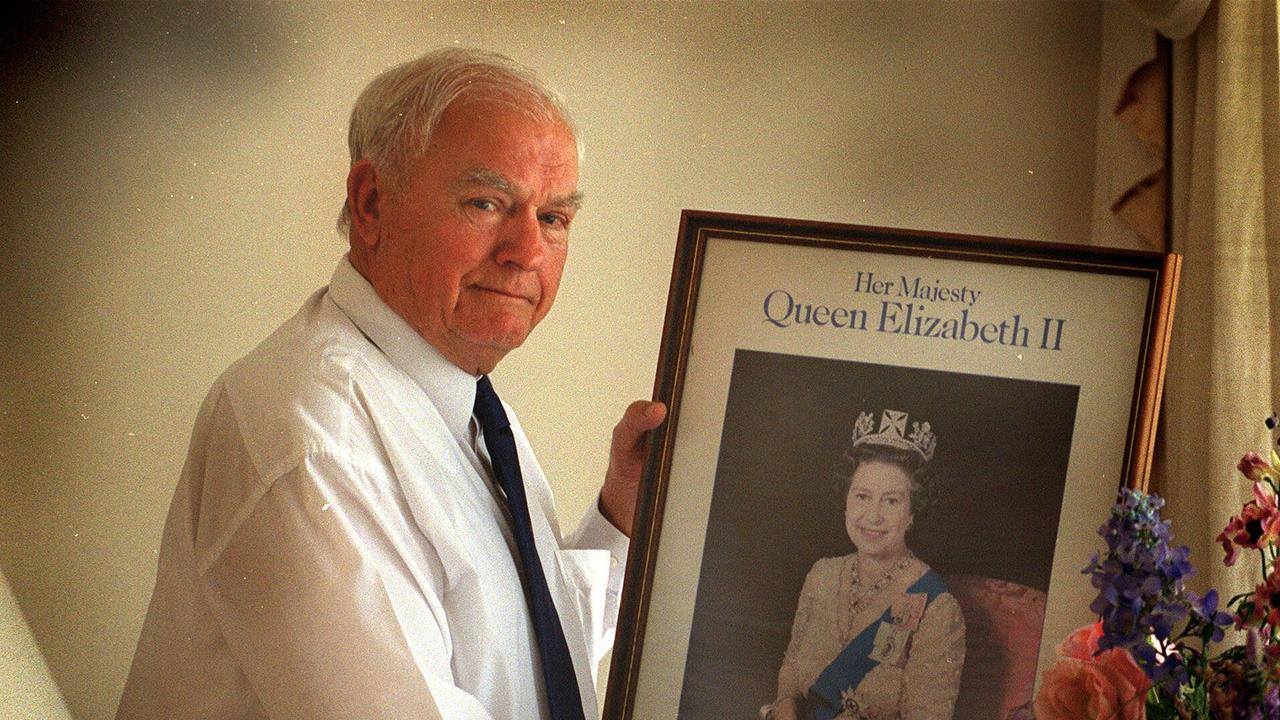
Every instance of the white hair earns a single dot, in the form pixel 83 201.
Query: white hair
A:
pixel 394 117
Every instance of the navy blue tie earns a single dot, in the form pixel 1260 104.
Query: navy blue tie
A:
pixel 557 665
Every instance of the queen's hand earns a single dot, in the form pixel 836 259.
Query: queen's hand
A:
pixel 784 709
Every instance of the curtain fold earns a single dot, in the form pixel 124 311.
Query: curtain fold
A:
pixel 1224 368
pixel 1175 19
pixel 1129 144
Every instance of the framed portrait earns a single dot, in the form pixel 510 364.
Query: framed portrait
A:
pixel 886 458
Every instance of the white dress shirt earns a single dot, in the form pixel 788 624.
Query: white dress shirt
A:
pixel 336 549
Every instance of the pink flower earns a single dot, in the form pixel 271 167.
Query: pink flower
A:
pixel 1082 685
pixel 1257 525
pixel 1254 467
pixel 1266 602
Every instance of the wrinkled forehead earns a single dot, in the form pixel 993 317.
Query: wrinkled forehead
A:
pixel 487 177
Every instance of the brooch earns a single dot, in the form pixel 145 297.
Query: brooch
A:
pixel 849 707
pixel 908 609
pixel 890 644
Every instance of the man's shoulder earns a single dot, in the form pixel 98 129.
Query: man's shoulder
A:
pixel 307 401
pixel 304 389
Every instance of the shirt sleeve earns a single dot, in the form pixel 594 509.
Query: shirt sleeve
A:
pixel 931 679
pixel 320 610
pixel 595 532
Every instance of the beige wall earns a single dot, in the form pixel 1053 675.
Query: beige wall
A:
pixel 173 175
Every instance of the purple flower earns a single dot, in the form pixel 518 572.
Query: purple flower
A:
pixel 1268 709
pixel 1140 587
pixel 1207 621
pixel 1253 646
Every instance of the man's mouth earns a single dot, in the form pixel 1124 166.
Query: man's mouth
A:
pixel 512 294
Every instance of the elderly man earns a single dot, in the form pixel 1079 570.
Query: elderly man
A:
pixel 361 529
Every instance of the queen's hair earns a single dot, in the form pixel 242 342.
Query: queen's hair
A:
pixel 394 117
pixel 918 470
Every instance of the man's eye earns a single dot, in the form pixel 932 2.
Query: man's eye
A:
pixel 555 219
pixel 483 204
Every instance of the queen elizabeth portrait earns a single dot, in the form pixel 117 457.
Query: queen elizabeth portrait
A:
pixel 876 635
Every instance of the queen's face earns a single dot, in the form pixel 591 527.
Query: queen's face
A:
pixel 877 510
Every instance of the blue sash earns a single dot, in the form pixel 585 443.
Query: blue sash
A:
pixel 854 662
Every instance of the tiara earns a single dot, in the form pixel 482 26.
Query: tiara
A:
pixel 893 433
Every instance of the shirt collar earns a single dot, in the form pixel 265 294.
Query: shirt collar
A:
pixel 450 388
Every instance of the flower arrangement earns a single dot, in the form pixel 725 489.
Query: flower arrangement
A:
pixel 1149 655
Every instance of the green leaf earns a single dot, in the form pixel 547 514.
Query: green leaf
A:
pixel 1160 710
pixel 1160 707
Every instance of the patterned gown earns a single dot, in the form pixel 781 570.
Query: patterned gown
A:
pixel 901 661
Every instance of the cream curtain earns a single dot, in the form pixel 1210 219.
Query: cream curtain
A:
pixel 1224 370
pixel 1130 177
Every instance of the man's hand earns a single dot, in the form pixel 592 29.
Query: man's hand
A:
pixel 626 461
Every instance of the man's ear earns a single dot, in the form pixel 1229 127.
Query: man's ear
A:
pixel 364 195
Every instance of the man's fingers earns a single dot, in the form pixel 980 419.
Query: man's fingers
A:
pixel 640 417
pixel 626 461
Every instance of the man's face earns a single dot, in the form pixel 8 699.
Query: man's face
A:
pixel 470 253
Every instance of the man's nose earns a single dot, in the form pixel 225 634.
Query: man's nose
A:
pixel 522 243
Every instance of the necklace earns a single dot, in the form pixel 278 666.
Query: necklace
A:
pixel 859 596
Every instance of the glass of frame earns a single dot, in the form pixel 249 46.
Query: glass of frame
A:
pixel 1030 375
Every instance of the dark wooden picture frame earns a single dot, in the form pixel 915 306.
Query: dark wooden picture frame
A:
pixel 798 327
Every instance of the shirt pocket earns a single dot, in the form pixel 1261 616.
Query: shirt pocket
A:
pixel 586 577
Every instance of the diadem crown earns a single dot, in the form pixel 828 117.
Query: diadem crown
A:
pixel 893 433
